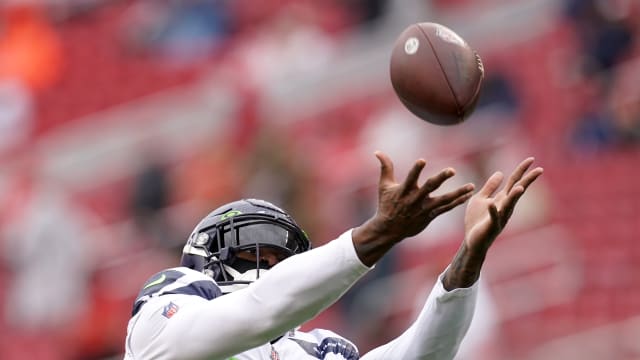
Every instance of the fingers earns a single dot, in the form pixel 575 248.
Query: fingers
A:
pixel 514 194
pixel 387 176
pixel 530 177
pixel 386 169
pixel 452 199
pixel 516 186
pixel 453 195
pixel 411 181
pixel 518 190
pixel 517 174
pixel 434 182
pixel 510 203
pixel 492 184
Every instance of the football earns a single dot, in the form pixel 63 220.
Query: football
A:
pixel 435 73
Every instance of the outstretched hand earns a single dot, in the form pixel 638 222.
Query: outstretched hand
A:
pixel 408 208
pixel 489 210
pixel 486 215
pixel 404 208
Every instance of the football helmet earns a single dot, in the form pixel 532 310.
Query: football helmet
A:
pixel 248 225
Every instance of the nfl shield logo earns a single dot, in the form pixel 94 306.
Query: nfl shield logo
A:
pixel 170 310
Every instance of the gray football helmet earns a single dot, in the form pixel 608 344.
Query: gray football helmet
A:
pixel 244 225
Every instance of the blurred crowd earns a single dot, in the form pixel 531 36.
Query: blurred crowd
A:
pixel 607 37
pixel 73 257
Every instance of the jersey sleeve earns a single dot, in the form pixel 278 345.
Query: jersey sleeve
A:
pixel 291 293
pixel 438 330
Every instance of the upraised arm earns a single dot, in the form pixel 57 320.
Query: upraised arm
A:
pixel 487 214
pixel 446 316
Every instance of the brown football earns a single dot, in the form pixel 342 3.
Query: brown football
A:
pixel 435 73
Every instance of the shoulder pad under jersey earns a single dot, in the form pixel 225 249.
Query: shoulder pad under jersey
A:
pixel 177 281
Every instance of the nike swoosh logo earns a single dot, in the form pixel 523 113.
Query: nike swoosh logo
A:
pixel 160 280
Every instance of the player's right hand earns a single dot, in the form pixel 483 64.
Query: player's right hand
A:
pixel 404 208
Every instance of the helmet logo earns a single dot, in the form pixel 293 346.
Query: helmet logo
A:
pixel 230 214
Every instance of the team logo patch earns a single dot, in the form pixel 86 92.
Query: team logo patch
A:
pixel 170 310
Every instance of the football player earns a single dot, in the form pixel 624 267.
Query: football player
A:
pixel 248 277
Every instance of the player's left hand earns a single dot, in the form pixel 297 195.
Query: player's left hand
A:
pixel 489 210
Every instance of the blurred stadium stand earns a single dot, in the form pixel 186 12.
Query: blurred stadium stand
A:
pixel 287 101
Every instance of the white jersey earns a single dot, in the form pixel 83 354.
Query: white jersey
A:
pixel 182 314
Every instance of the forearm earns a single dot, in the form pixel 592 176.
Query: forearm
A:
pixel 439 329
pixel 290 294
pixel 464 270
